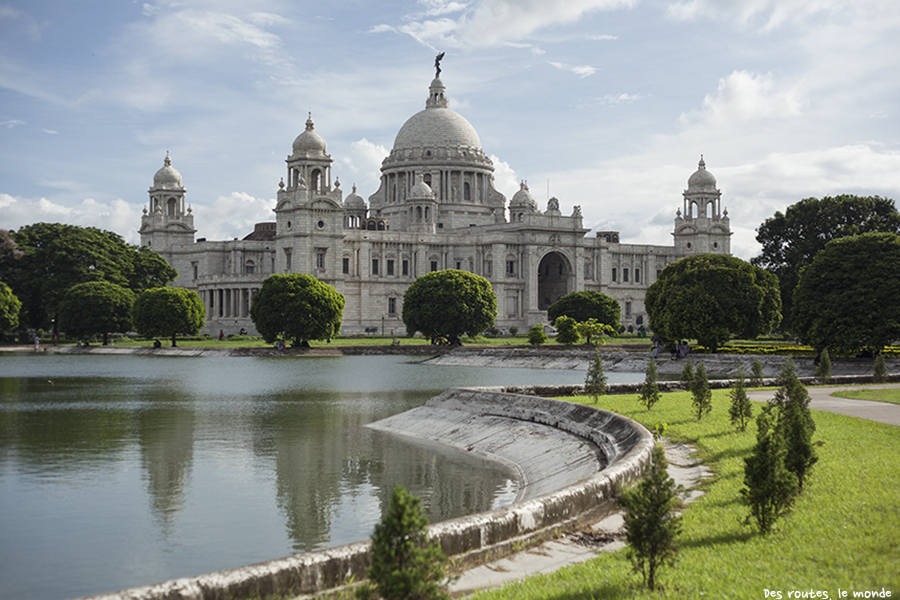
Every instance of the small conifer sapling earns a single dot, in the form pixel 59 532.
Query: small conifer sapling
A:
pixel 769 488
pixel 756 373
pixel 687 374
pixel 741 410
pixel 700 392
pixel 879 369
pixel 823 369
pixel 650 387
pixel 595 381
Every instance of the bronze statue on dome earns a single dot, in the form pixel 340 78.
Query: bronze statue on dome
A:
pixel 437 65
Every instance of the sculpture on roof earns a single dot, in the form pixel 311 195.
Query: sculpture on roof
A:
pixel 437 65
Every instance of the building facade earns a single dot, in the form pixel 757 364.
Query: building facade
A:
pixel 436 208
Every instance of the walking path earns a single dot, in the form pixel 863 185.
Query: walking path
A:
pixel 605 536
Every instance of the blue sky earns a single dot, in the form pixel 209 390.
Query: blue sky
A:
pixel 608 104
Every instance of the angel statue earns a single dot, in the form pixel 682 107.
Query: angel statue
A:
pixel 437 65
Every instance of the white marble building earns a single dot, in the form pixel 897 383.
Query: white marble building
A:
pixel 436 208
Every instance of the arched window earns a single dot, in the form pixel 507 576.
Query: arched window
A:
pixel 467 191
pixel 171 207
pixel 380 225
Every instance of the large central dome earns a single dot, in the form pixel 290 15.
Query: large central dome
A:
pixel 437 126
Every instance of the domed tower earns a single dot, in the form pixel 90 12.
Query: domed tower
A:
pixel 443 148
pixel 704 227
pixel 521 204
pixel 421 207
pixel 355 210
pixel 167 223
pixel 309 166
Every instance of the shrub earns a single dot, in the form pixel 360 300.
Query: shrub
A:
pixel 879 369
pixel 823 368
pixel 536 335
pixel 756 373
pixel 769 488
pixel 513 331
pixel 567 330
pixel 795 422
pixel 404 563
pixel 687 374
pixel 651 527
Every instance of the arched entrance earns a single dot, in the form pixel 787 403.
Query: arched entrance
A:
pixel 554 273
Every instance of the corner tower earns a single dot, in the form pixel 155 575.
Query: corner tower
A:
pixel 704 227
pixel 168 223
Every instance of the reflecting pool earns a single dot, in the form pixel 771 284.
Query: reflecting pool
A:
pixel 119 471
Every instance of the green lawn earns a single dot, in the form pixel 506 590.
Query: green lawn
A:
pixel 844 531
pixel 891 395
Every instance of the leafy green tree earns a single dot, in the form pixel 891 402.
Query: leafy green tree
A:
pixel 449 304
pixel 297 307
pixel 9 256
pixel 405 565
pixel 879 369
pixel 700 392
pixel 594 330
pixel 582 306
pixel 566 330
pixel 96 307
pixel 650 387
pixel 536 335
pixel 756 373
pixel 595 381
pixel 168 312
pixel 741 410
pixel 823 369
pixel 712 298
pixel 56 257
pixel 651 525
pixel 849 297
pixel 769 488
pixel 791 240
pixel 9 309
pixel 795 422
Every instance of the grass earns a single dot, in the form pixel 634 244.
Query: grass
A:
pixel 891 395
pixel 842 533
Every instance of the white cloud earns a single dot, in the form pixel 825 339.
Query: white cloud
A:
pixel 623 98
pixel 118 216
pixel 12 123
pixel 232 216
pixel 745 96
pixel 362 166
pixel 769 13
pixel 505 179
pixel 580 70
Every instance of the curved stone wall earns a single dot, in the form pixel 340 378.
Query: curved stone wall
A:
pixel 584 454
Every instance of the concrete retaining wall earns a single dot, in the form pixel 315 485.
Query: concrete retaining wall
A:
pixel 620 445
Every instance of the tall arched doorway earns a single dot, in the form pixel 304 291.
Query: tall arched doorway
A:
pixel 554 273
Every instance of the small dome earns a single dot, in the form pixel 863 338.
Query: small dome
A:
pixel 702 179
pixel 310 143
pixel 523 198
pixel 354 200
pixel 168 177
pixel 421 190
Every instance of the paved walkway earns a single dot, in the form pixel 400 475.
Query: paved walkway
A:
pixel 821 399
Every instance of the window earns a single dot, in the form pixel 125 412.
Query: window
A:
pixel 637 275
pixel 587 270
pixel 392 306
pixel 628 309
pixel 249 268
pixel 510 267
pixel 194 266
pixel 345 267
pixel 614 274
pixel 320 261
pixel 434 265
pixel 287 260
pixel 489 267
pixel 390 267
pixel 405 267
pixel 458 265
pixel 374 266
pixel 624 275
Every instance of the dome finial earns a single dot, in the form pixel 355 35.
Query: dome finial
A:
pixel 702 163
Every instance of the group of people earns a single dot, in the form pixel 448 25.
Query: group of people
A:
pixel 682 348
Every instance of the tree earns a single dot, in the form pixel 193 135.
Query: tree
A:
pixel 9 256
pixel 769 488
pixel 297 307
pixel 651 526
pixel 56 257
pixel 595 381
pixel 790 241
pixel 566 330
pixel 756 373
pixel 9 309
pixel 592 329
pixel 582 306
pixel 449 304
pixel 687 374
pixel 96 307
pixel 167 312
pixel 795 422
pixel 741 410
pixel 879 369
pixel 823 369
pixel 849 297
pixel 650 387
pixel 405 565
pixel 700 392
pixel 536 335
pixel 712 298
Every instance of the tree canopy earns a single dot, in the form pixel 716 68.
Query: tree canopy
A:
pixel 712 298
pixel 297 307
pixel 9 309
pixel 790 241
pixel 582 306
pixel 849 297
pixel 54 257
pixel 96 307
pixel 167 312
pixel 449 304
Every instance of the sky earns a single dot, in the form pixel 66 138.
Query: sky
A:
pixel 604 104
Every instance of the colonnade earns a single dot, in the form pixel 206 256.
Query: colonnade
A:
pixel 227 302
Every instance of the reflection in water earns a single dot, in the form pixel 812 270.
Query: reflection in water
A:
pixel 118 471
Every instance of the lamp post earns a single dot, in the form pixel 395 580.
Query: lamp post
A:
pixel 382 324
